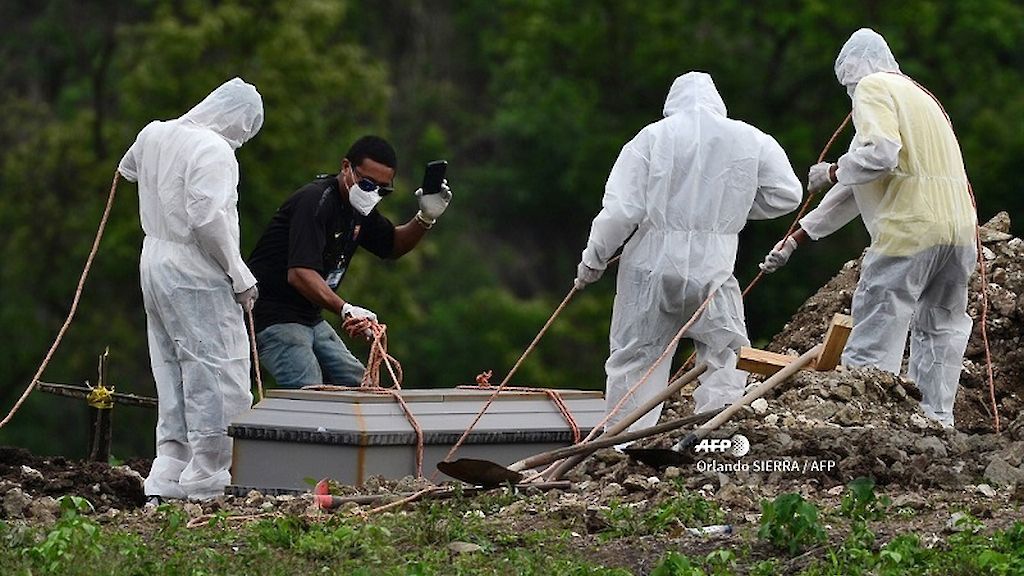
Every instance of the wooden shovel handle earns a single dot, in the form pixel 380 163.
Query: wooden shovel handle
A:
pixel 606 441
pixel 632 417
pixel 782 375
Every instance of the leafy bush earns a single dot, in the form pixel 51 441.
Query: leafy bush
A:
pixel 902 553
pixel 676 564
pixel 720 561
pixel 860 502
pixel 790 522
pixel 686 509
pixel 73 538
pixel 623 520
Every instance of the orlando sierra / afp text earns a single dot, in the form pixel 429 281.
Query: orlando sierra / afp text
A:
pixel 767 465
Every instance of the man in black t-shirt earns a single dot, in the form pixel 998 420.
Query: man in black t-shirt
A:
pixel 303 255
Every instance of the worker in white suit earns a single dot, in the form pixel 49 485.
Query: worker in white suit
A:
pixel 195 285
pixel 904 175
pixel 680 192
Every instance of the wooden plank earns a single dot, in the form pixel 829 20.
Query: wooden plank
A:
pixel 763 362
pixel 835 341
pixel 767 363
pixel 82 392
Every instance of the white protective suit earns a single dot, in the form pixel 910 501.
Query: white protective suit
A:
pixel 904 174
pixel 190 271
pixel 687 185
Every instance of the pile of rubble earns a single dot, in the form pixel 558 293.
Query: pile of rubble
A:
pixel 1004 264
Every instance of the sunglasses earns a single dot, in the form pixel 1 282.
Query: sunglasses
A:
pixel 368 184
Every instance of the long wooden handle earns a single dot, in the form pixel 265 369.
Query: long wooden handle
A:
pixel 655 400
pixel 606 441
pixel 782 375
pixel 632 417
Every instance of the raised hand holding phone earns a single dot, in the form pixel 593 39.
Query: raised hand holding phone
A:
pixel 433 176
pixel 435 194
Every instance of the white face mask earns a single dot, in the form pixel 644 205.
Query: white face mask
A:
pixel 362 200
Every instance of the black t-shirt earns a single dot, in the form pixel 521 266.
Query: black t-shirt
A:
pixel 314 229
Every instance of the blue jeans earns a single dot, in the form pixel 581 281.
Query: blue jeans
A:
pixel 297 355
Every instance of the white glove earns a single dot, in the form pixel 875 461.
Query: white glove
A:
pixel 818 177
pixel 779 255
pixel 355 312
pixel 433 205
pixel 248 298
pixel 586 275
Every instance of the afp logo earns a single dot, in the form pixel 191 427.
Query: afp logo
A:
pixel 737 446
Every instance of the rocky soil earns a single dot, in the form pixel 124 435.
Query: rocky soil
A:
pixel 1004 265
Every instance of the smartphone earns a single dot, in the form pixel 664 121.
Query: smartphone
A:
pixel 433 175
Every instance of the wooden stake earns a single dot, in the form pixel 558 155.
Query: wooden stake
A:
pixel 835 340
pixel 99 417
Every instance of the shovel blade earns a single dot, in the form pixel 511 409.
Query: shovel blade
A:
pixel 479 472
pixel 658 457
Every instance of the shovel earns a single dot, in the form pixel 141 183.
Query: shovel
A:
pixel 502 476
pixel 681 453
pixel 487 474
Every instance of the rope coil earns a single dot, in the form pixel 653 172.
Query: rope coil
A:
pixel 376 333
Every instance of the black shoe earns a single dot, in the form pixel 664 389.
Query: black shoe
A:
pixel 154 501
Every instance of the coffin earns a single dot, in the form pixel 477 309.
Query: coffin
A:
pixel 293 437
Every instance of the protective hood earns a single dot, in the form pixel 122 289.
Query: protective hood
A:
pixel 864 53
pixel 234 110
pixel 691 91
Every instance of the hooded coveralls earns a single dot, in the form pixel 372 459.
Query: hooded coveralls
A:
pixel 904 174
pixel 686 184
pixel 190 270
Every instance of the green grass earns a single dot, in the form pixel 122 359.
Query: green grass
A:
pixel 399 544
pixel 416 542
pixel 684 510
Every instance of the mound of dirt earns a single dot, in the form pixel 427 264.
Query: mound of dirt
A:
pixel 1004 263
pixel 29 485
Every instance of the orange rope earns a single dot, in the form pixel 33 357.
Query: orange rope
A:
pixel 508 377
pixel 371 378
pixel 981 264
pixel 397 395
pixel 74 303
pixel 482 383
pixel 377 334
pixel 522 357
pixel 675 340
pixel 984 315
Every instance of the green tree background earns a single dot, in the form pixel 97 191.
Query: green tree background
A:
pixel 529 100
